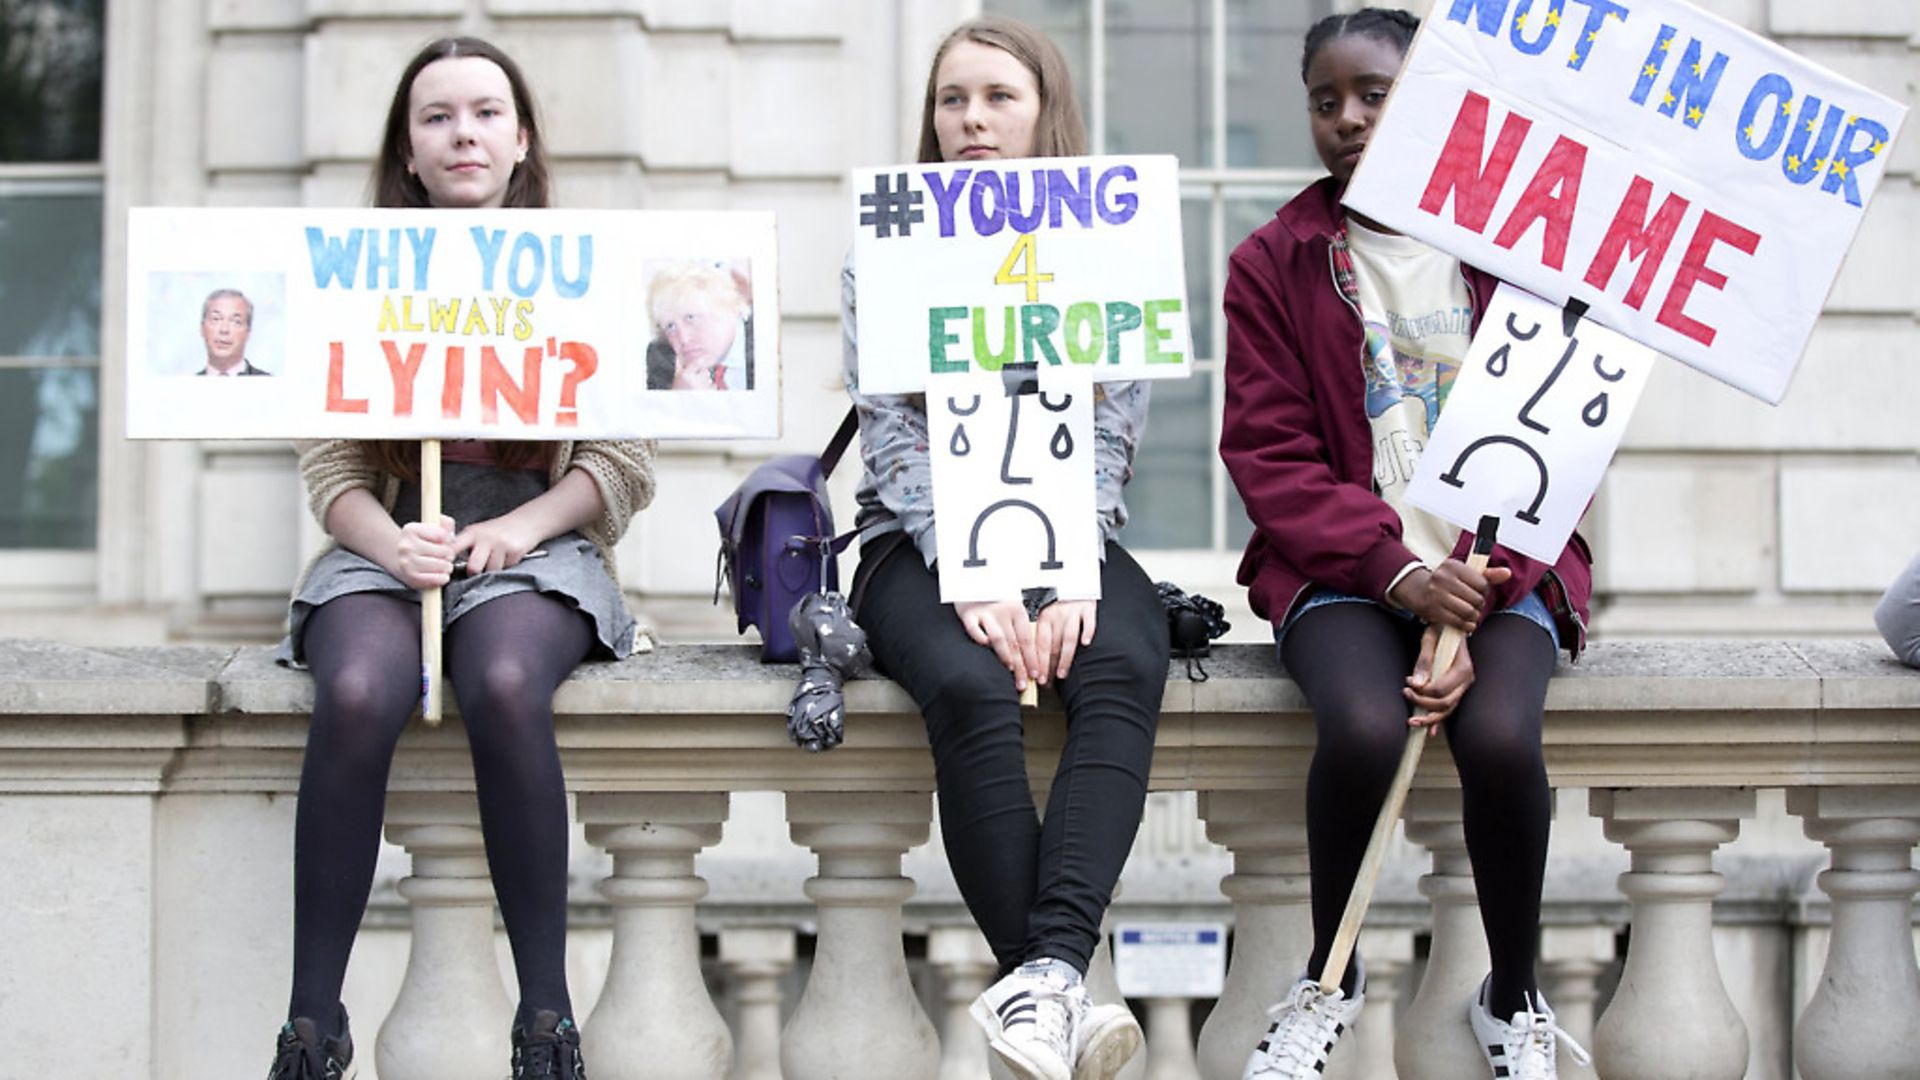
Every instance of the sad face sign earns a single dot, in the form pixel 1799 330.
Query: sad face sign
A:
pixel 1013 488
pixel 1533 420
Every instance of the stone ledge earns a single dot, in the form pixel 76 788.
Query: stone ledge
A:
pixel 708 717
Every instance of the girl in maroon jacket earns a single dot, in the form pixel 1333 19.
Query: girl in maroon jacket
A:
pixel 1343 338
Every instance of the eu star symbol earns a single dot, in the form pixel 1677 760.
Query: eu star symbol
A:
pixel 1697 69
pixel 1650 71
pixel 1553 18
pixel 1786 108
pixel 1877 149
pixel 1749 132
pixel 1666 43
pixel 1793 162
pixel 1667 99
pixel 1693 116
pixel 1520 21
pixel 1840 169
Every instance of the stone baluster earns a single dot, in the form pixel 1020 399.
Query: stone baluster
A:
pixel 966 966
pixel 756 958
pixel 859 1012
pixel 655 1019
pixel 1103 988
pixel 1273 930
pixel 1388 951
pixel 1433 1041
pixel 451 1019
pixel 1671 1017
pixel 1572 959
pixel 1860 1023
pixel 1169 1051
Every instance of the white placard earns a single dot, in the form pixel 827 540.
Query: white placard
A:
pixel 1013 488
pixel 1170 960
pixel 496 324
pixel 969 266
pixel 1530 424
pixel 1694 183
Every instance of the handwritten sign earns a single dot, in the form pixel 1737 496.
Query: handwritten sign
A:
pixel 1533 419
pixel 1694 183
pixel 1013 490
pixel 496 324
pixel 971 266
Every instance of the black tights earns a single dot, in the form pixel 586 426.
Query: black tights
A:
pixel 1351 660
pixel 505 658
pixel 1036 888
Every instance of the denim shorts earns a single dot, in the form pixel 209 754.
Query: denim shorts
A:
pixel 1530 607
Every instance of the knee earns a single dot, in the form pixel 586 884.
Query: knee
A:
pixel 1486 752
pixel 364 694
pixel 1361 736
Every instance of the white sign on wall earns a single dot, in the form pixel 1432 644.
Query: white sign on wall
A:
pixel 1062 262
pixel 1170 960
pixel 1532 420
pixel 1012 455
pixel 407 324
pixel 1694 183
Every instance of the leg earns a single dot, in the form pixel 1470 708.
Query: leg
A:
pixel 1505 801
pixel 506 658
pixel 1351 661
pixel 987 817
pixel 364 650
pixel 1112 697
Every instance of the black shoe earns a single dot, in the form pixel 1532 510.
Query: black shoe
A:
pixel 548 1048
pixel 303 1054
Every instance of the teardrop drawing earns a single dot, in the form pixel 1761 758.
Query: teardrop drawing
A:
pixel 961 445
pixel 1062 444
pixel 1497 363
pixel 1595 413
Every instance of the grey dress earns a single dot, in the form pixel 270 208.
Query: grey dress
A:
pixel 572 569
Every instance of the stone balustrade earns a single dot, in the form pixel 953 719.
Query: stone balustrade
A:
pixel 146 824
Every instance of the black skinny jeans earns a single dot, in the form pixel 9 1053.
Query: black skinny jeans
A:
pixel 1038 888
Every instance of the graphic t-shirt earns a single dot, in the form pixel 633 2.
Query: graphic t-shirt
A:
pixel 1419 318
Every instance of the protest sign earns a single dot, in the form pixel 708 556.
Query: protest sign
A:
pixel 410 324
pixel 1012 459
pixel 1693 183
pixel 1531 422
pixel 1058 261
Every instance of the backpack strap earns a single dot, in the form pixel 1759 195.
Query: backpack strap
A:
pixel 838 444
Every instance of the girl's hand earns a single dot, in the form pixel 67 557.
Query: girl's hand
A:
pixel 1001 625
pixel 1063 627
pixel 423 558
pixel 1433 699
pixel 495 544
pixel 1451 594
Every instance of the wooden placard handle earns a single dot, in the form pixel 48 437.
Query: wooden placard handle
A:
pixel 431 691
pixel 1361 897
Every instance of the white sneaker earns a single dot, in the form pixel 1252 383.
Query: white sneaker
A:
pixel 1306 1024
pixel 1105 1038
pixel 1030 1019
pixel 1523 1049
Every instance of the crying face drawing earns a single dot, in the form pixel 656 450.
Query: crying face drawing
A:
pixel 1013 462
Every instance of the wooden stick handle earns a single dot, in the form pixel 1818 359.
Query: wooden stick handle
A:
pixel 430 599
pixel 1362 895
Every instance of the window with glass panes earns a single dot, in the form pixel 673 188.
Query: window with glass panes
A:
pixel 51 59
pixel 1217 83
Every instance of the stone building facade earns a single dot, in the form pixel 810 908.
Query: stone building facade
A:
pixel 1721 516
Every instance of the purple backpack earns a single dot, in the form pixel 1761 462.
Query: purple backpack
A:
pixel 777 543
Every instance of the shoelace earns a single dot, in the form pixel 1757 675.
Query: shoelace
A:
pixel 298 1061
pixel 1530 1044
pixel 540 1059
pixel 1302 1027
pixel 1053 1020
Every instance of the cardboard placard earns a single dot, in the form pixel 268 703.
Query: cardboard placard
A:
pixel 408 324
pixel 1694 183
pixel 969 266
